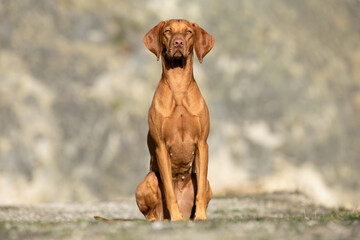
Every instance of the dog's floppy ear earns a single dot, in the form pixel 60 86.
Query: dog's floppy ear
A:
pixel 204 42
pixel 152 39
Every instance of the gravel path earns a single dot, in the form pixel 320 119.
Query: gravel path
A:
pixel 277 215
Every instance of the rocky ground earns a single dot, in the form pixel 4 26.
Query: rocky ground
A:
pixel 265 216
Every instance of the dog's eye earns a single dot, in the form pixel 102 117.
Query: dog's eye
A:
pixel 188 32
pixel 167 31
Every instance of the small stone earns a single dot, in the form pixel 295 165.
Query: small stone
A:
pixel 157 225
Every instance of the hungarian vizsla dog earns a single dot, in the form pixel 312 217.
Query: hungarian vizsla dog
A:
pixel 176 187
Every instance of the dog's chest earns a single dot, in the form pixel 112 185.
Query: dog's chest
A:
pixel 181 126
pixel 181 131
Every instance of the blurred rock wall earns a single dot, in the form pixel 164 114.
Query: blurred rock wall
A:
pixel 282 84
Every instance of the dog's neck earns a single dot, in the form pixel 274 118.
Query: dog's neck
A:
pixel 178 74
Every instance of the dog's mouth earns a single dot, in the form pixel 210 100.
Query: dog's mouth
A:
pixel 175 60
pixel 176 53
pixel 175 57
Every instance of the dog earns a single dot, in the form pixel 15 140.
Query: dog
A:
pixel 177 187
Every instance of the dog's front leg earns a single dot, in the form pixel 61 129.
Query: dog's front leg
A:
pixel 201 165
pixel 165 174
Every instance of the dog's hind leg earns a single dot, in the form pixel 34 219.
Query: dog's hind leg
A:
pixel 149 198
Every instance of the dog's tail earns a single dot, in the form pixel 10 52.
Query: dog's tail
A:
pixel 105 219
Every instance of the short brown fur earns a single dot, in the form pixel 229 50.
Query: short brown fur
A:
pixel 176 187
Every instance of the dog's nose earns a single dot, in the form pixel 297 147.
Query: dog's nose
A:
pixel 178 42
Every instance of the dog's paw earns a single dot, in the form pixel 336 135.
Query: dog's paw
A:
pixel 176 218
pixel 200 216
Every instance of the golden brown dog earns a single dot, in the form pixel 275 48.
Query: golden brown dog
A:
pixel 176 186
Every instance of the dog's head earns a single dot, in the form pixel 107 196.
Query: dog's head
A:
pixel 175 39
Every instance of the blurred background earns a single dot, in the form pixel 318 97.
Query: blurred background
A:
pixel 282 84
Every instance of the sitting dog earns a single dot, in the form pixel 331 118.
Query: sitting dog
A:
pixel 176 187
